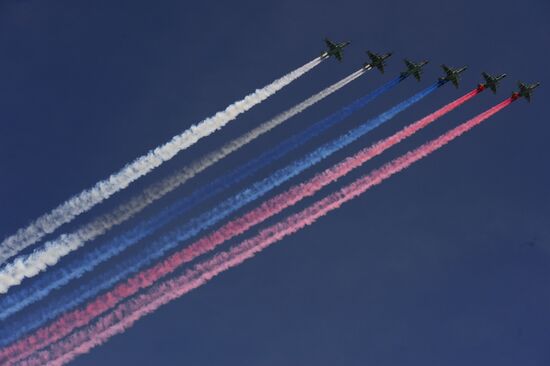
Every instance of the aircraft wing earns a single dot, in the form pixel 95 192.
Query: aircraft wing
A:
pixel 455 82
pixel 330 44
pixel 338 55
pixel 381 67
pixel 416 75
pixel 448 71
pixel 528 97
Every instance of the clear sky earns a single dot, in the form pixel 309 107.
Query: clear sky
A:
pixel 446 263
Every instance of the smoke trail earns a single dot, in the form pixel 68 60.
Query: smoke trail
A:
pixel 25 295
pixel 159 247
pixel 127 313
pixel 80 317
pixel 104 189
pixel 28 266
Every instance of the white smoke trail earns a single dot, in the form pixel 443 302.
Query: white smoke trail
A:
pixel 102 190
pixel 31 265
pixel 127 313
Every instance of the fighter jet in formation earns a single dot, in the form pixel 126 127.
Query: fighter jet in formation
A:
pixel 452 74
pixel 491 82
pixel 334 49
pixel 524 91
pixel 413 69
pixel 376 60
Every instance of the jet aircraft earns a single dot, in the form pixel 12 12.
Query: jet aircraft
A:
pixel 452 74
pixel 413 69
pixel 376 60
pixel 491 82
pixel 525 90
pixel 334 49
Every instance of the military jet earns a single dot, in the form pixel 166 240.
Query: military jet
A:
pixel 413 69
pixel 334 49
pixel 376 60
pixel 452 74
pixel 524 91
pixel 491 82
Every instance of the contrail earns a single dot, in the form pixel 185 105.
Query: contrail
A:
pixel 159 247
pixel 102 190
pixel 28 266
pixel 80 317
pixel 22 296
pixel 127 313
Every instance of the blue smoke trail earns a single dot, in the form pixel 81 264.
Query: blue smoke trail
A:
pixel 23 296
pixel 159 247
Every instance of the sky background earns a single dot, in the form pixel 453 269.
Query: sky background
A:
pixel 446 263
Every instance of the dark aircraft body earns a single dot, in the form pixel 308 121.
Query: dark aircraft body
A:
pixel 376 60
pixel 334 49
pixel 491 82
pixel 525 91
pixel 413 69
pixel 452 74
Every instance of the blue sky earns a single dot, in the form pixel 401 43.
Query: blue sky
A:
pixel 445 263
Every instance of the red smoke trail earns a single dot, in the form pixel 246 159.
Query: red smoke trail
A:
pixel 80 317
pixel 125 314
